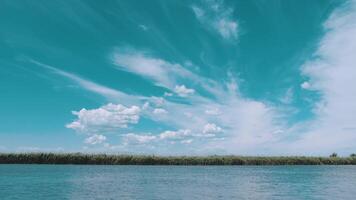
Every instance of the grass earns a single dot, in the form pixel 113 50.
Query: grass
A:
pixel 105 159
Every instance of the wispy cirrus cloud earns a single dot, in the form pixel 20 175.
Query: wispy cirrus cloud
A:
pixel 217 17
pixel 162 72
pixel 107 92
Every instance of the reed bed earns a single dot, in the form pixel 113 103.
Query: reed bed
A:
pixel 106 159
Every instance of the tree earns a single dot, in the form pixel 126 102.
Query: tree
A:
pixel 333 155
pixel 353 155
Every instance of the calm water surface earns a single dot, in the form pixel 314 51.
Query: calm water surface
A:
pixel 176 182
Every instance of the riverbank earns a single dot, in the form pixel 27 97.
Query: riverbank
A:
pixel 109 159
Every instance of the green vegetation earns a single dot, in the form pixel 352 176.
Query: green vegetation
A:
pixel 333 155
pixel 105 159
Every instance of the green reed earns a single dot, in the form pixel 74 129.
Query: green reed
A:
pixel 110 159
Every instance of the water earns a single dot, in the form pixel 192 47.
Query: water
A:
pixel 176 182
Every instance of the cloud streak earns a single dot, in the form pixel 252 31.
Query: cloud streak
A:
pixel 107 92
pixel 216 16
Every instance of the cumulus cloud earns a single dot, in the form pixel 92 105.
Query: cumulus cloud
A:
pixel 95 139
pixel 168 94
pixel 183 91
pixel 146 105
pixel 159 111
pixel 227 28
pixel 305 85
pixel 211 128
pixel 213 111
pixel 132 138
pixel 106 118
pixel 217 17
pixel 189 141
pixel 180 134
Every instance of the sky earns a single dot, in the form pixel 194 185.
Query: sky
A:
pixel 180 77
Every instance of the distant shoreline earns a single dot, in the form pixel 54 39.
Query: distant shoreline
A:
pixel 110 159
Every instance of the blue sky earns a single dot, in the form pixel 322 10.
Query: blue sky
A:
pixel 178 77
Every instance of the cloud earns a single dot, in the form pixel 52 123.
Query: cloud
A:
pixel 189 141
pixel 95 139
pixel 145 106
pixel 211 128
pixel 217 17
pixel 143 27
pixel 104 119
pixel 109 93
pixel 288 97
pixel 163 73
pixel 183 135
pixel 159 111
pixel 168 94
pixel 180 134
pixel 212 111
pixel 246 122
pixel 183 91
pixel 227 28
pixel 305 85
pixel 332 72
pixel 132 138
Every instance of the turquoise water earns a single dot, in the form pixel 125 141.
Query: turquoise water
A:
pixel 177 182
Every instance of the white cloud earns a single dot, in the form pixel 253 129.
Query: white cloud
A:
pixel 211 128
pixel 305 85
pixel 288 97
pixel 213 111
pixel 106 118
pixel 109 93
pixel 168 94
pixel 333 74
pixel 183 91
pixel 189 141
pixel 217 17
pixel 250 126
pixel 95 139
pixel 145 106
pixel 246 122
pixel 132 138
pixel 162 72
pixel 199 13
pixel 227 28
pixel 159 111
pixel 180 134
pixel 158 101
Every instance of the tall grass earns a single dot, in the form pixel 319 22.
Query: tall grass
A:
pixel 105 159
